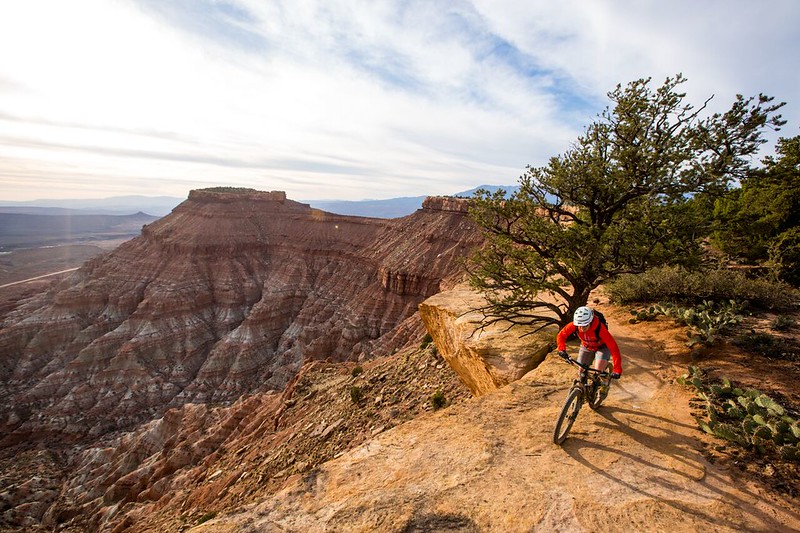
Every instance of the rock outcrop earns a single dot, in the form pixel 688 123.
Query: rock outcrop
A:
pixel 485 357
pixel 446 203
pixel 229 294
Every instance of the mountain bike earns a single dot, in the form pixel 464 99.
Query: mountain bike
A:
pixel 592 387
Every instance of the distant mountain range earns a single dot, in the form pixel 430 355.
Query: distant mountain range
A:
pixel 50 228
pixel 117 205
pixel 162 205
pixel 391 207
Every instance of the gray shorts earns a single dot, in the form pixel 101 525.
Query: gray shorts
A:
pixel 587 357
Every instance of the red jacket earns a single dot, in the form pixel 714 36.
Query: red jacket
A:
pixel 591 342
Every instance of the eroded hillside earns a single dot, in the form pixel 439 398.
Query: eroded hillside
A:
pixel 228 295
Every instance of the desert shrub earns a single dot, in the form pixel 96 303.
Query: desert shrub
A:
pixel 767 345
pixel 356 394
pixel 745 417
pixel 206 517
pixel 438 400
pixel 676 284
pixel 357 371
pixel 783 323
pixel 426 341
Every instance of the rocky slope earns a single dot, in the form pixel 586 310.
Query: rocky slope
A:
pixel 199 460
pixel 639 463
pixel 313 459
pixel 229 294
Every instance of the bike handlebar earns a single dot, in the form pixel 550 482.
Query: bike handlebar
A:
pixel 572 361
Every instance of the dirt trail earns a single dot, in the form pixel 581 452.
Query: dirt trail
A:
pixel 37 277
pixel 490 465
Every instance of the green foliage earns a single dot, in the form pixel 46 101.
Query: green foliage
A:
pixel 748 418
pixel 438 400
pixel 760 222
pixel 676 284
pixel 783 323
pixel 206 517
pixel 426 341
pixel 618 201
pixel 356 394
pixel 784 256
pixel 767 345
pixel 357 371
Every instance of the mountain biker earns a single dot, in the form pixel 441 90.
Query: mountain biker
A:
pixel 597 344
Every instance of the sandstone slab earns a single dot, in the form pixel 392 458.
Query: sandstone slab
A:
pixel 484 357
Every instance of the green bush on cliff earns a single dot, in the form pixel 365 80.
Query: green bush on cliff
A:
pixel 356 394
pixel 438 400
pixel 206 517
pixel 427 340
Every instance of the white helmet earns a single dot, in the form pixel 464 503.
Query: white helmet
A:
pixel 583 316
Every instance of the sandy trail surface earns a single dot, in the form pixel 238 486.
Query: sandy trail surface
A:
pixel 490 464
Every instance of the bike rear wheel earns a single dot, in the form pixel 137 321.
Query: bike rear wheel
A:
pixel 568 415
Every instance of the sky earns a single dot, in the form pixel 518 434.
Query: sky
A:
pixel 350 99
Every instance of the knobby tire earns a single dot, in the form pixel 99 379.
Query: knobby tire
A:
pixel 568 415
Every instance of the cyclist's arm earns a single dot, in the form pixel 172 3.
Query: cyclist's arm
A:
pixel 609 341
pixel 563 335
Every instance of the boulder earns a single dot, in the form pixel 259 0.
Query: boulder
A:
pixel 485 358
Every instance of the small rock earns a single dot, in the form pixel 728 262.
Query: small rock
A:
pixel 329 429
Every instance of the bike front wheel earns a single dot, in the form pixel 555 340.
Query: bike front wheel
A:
pixel 568 415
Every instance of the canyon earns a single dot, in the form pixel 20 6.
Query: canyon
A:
pixel 249 363
pixel 227 295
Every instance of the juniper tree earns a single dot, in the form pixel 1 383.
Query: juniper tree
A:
pixel 760 221
pixel 617 201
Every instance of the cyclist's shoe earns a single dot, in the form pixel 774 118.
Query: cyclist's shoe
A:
pixel 563 355
pixel 615 375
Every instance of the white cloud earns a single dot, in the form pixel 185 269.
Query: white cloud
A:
pixel 345 98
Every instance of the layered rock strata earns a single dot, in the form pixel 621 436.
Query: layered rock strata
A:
pixel 228 294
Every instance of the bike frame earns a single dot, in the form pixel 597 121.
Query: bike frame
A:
pixel 582 390
pixel 584 381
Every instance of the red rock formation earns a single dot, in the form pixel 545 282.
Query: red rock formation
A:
pixel 230 293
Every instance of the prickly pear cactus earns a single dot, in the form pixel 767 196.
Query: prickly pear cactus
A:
pixel 746 417
pixel 790 452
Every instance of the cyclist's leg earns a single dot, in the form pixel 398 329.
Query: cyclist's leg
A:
pixel 585 357
pixel 601 358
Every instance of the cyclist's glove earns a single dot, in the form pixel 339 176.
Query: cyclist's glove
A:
pixel 615 375
pixel 563 355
